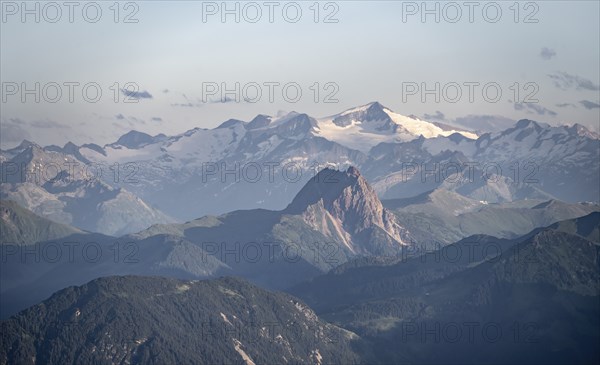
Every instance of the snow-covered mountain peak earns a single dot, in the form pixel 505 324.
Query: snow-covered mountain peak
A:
pixel 134 139
pixel 366 126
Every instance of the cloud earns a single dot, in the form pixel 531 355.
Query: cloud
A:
pixel 198 103
pixel 534 108
pixel 136 120
pixel 224 100
pixel 15 121
pixel 437 116
pixel 128 121
pixel 564 105
pixel 136 94
pixel 157 119
pixel 47 124
pixel 187 105
pixel 547 53
pixel 11 131
pixel 565 81
pixel 484 122
pixel 589 104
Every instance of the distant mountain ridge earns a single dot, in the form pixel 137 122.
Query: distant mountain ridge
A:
pixel 335 220
pixel 263 163
pixel 337 217
pixel 21 227
pixel 58 186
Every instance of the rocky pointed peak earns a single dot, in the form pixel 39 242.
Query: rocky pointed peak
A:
pixel 25 144
pixel 522 129
pixel 376 112
pixel 456 137
pixel 260 121
pixel 70 148
pixel 134 139
pixel 372 112
pixel 347 200
pixel 353 171
pixel 376 106
pixel 328 185
pixel 230 123
pixel 528 124
pixel 294 125
pixel 29 153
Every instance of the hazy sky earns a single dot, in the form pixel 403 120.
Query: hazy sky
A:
pixel 375 51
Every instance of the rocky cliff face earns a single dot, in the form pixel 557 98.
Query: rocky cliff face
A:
pixel 342 205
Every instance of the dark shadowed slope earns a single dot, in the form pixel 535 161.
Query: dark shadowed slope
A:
pixel 152 320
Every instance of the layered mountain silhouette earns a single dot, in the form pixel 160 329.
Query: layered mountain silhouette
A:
pixel 540 290
pixel 530 160
pixel 334 219
pixel 337 216
pixel 20 226
pixel 441 216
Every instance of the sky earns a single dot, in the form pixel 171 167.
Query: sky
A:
pixel 167 67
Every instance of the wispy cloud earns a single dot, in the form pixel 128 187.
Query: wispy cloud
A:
pixel 565 81
pixel 187 105
pixel 589 104
pixel 47 124
pixel 564 105
pixel 534 108
pixel 437 116
pixel 12 131
pixel 484 122
pixel 136 94
pixel 547 53
pixel 198 103
pixel 129 120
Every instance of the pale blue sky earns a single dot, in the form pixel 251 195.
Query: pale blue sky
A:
pixel 369 53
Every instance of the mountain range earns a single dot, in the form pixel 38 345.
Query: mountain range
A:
pixel 335 219
pixel 538 293
pixel 263 163
pixel 362 237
